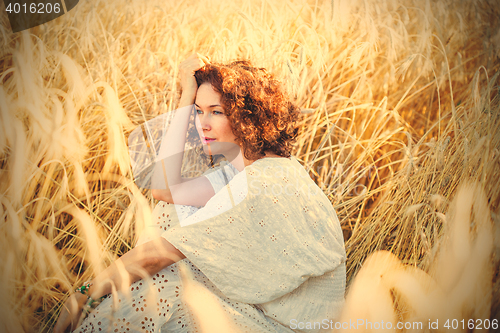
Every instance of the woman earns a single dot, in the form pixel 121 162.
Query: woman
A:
pixel 267 242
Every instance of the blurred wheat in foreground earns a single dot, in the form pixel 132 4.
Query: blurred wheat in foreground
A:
pixel 458 286
pixel 400 103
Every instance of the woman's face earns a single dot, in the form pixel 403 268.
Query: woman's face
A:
pixel 212 123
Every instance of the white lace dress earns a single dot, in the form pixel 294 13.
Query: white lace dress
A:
pixel 268 246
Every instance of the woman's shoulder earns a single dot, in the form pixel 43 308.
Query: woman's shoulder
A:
pixel 286 178
pixel 276 166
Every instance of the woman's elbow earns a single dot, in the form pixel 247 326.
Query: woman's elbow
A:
pixel 156 194
pixel 162 195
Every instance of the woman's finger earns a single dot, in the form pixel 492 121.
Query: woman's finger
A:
pixel 62 322
pixel 194 62
pixel 205 60
pixel 70 313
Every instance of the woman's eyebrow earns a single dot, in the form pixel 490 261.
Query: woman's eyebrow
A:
pixel 210 106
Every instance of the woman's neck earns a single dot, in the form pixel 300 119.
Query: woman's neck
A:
pixel 238 161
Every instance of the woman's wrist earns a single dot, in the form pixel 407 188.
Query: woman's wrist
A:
pixel 87 296
pixel 89 291
pixel 186 99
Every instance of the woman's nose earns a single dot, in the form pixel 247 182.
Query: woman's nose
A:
pixel 203 122
pixel 205 126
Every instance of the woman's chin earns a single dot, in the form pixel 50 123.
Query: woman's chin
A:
pixel 220 148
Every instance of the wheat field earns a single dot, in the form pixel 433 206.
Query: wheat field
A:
pixel 400 129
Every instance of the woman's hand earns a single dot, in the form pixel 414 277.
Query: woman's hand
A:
pixel 70 313
pixel 188 81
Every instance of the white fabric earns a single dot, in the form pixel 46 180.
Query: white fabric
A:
pixel 273 256
pixel 221 176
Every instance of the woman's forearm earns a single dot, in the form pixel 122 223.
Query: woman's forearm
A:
pixel 174 140
pixel 171 152
pixel 144 260
pixel 167 174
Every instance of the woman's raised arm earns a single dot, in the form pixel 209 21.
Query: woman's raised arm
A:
pixel 178 190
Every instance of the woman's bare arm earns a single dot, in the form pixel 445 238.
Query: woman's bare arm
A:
pixel 142 261
pixel 176 189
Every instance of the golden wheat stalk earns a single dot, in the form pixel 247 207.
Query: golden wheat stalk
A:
pixel 400 103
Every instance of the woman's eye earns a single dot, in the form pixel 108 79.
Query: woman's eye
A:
pixel 198 111
pixel 218 112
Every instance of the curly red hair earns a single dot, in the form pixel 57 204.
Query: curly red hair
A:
pixel 262 116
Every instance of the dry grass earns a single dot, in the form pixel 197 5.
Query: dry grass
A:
pixel 400 104
pixel 458 284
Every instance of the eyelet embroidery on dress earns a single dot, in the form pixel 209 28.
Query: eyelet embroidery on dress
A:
pixel 322 240
pixel 255 319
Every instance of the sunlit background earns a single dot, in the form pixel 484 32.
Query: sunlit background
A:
pixel 400 102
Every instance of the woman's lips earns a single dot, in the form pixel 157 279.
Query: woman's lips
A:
pixel 209 140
